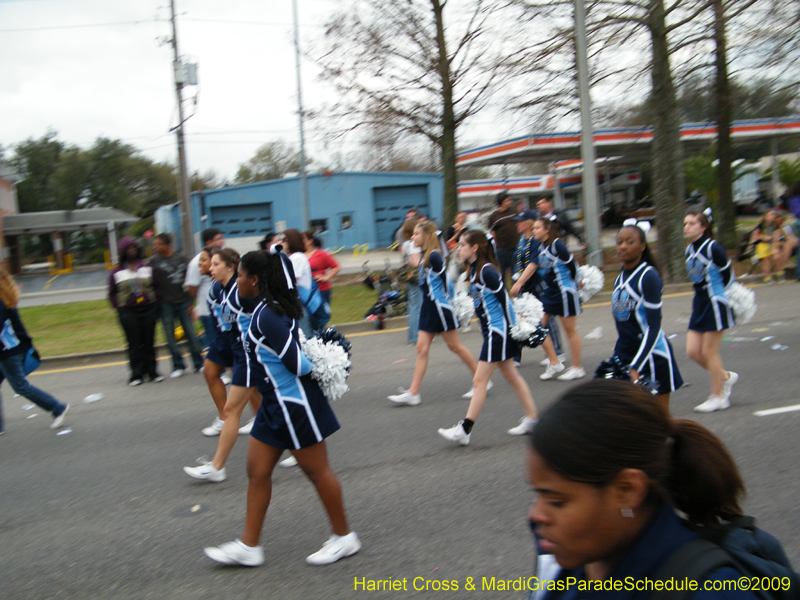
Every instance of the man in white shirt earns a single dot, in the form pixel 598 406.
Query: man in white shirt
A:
pixel 198 285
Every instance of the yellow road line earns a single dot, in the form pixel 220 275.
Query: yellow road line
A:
pixel 47 283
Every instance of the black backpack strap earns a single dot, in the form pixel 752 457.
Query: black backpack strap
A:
pixel 693 561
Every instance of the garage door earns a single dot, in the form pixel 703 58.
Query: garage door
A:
pixel 238 221
pixel 391 206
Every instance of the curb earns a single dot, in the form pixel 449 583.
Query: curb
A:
pixel 357 327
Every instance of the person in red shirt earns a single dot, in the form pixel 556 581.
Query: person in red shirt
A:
pixel 323 266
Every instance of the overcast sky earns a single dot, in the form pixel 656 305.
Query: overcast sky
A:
pixel 92 68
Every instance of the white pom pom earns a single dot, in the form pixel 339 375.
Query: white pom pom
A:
pixel 742 302
pixel 593 281
pixel 464 307
pixel 529 313
pixel 329 366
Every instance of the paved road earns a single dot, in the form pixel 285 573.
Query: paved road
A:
pixel 105 511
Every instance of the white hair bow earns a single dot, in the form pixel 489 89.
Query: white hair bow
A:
pixel 707 213
pixel 285 263
pixel 643 225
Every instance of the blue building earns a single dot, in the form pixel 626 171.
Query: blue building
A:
pixel 350 208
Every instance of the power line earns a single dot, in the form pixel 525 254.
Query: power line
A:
pixel 88 25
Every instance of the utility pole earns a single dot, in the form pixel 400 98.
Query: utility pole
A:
pixel 591 212
pixel 184 198
pixel 303 178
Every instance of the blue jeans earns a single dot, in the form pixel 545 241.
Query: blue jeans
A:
pixel 209 330
pixel 11 369
pixel 414 296
pixel 168 314
pixel 318 326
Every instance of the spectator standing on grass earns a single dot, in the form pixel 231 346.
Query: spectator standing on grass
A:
pixel 504 229
pixel 15 345
pixel 198 284
pixel 323 266
pixel 169 269
pixel 132 293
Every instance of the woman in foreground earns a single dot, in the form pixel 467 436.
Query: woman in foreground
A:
pixel 606 504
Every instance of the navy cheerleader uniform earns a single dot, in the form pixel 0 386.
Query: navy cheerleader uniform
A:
pixel 560 274
pixel 221 352
pixel 436 314
pixel 294 412
pixel 242 311
pixel 642 344
pixel 493 307
pixel 710 269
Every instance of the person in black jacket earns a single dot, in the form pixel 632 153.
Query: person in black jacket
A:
pixel 546 209
pixel 15 346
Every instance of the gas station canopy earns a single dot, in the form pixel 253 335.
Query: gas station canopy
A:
pixel 630 142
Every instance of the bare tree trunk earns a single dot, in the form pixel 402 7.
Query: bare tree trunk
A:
pixel 668 178
pixel 726 212
pixel 448 140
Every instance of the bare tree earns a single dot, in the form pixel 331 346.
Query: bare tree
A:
pixel 425 65
pixel 620 33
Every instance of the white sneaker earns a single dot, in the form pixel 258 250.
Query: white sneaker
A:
pixel 727 386
pixel 206 472
pixel 546 361
pixel 176 373
pixel 226 379
pixel 526 425
pixel 288 462
pixel 713 403
pixel 236 553
pixel 471 391
pixel 456 434
pixel 337 546
pixel 551 371
pixel 214 428
pixel 59 420
pixel 247 427
pixel 135 382
pixel 572 373
pixel 406 398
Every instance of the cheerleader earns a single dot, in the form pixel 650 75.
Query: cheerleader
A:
pixel 636 306
pixel 436 313
pixel 493 307
pixel 233 317
pixel 527 278
pixel 560 298
pixel 710 269
pixel 294 415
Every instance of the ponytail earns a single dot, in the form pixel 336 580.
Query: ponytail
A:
pixel 485 252
pixel 688 466
pixel 703 481
pixel 430 241
pixel 273 287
